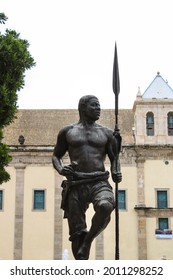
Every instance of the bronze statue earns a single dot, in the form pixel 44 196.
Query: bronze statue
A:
pixel 87 144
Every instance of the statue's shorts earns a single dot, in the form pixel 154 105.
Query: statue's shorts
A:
pixel 78 199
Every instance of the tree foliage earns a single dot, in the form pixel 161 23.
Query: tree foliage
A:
pixel 15 59
pixel 5 158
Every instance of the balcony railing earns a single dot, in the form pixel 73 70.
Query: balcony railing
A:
pixel 163 233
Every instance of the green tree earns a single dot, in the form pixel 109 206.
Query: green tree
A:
pixel 15 59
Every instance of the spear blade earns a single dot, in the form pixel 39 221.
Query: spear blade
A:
pixel 116 80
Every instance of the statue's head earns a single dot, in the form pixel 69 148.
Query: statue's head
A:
pixel 94 103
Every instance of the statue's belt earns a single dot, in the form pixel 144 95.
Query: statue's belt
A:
pixel 88 178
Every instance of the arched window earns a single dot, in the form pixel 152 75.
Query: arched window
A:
pixel 150 124
pixel 170 123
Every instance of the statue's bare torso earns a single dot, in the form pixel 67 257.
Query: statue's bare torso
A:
pixel 88 146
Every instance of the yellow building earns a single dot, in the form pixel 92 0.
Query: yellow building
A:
pixel 32 224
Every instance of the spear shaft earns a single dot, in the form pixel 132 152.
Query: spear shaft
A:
pixel 116 90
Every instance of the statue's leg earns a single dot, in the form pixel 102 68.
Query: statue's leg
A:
pixel 100 220
pixel 76 221
pixel 77 242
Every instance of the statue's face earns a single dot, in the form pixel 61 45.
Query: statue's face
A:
pixel 92 109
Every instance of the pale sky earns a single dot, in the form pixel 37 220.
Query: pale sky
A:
pixel 72 42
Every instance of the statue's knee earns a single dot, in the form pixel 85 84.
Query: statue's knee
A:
pixel 105 207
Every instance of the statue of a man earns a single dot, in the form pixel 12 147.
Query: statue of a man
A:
pixel 87 144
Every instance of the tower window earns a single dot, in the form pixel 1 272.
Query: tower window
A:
pixel 170 123
pixel 150 124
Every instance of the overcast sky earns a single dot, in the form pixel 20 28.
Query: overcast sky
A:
pixel 72 42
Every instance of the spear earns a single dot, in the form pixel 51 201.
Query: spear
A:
pixel 116 90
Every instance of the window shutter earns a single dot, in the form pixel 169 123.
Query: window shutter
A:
pixel 162 199
pixel 39 200
pixel 121 199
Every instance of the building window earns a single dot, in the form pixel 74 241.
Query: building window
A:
pixel 163 223
pixel 170 123
pixel 39 200
pixel 163 231
pixel 122 199
pixel 1 199
pixel 162 200
pixel 150 124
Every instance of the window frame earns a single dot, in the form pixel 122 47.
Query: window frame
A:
pixel 158 223
pixel 33 200
pixel 170 123
pixel 2 203
pixel 168 196
pixel 163 232
pixel 125 196
pixel 150 126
